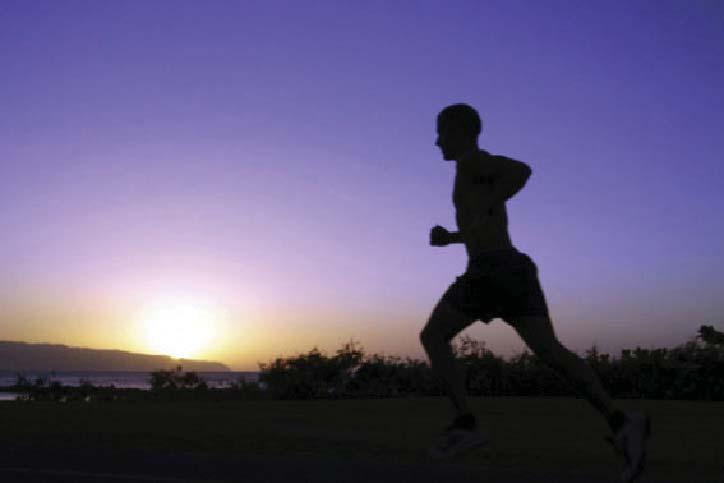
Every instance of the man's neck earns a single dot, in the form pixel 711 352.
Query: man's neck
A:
pixel 468 153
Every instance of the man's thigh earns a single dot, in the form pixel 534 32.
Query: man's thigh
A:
pixel 523 301
pixel 446 321
pixel 536 331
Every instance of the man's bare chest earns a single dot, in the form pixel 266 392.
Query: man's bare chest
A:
pixel 466 185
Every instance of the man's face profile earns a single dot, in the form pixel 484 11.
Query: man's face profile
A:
pixel 448 140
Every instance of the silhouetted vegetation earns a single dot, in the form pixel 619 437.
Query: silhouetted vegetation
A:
pixel 162 380
pixel 176 385
pixel 313 374
pixel 45 389
pixel 166 385
pixel 692 371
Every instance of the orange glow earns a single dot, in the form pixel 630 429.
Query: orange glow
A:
pixel 180 328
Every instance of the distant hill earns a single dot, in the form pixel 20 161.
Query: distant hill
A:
pixel 23 356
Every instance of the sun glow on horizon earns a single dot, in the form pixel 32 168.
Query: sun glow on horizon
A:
pixel 179 329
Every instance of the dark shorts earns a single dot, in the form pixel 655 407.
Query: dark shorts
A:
pixel 501 284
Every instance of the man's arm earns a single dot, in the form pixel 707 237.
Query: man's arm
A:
pixel 440 236
pixel 506 177
pixel 455 237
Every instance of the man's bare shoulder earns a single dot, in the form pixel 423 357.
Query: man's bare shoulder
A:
pixel 485 164
pixel 497 164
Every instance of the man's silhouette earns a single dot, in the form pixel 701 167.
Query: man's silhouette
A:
pixel 501 281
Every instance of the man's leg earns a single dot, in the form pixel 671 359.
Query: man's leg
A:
pixel 537 332
pixel 631 430
pixel 444 323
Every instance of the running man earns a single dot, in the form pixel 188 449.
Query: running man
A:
pixel 502 282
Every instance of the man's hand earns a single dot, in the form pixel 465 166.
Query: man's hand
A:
pixel 439 236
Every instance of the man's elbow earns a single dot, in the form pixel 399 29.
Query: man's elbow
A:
pixel 520 175
pixel 524 171
pixel 518 178
pixel 514 170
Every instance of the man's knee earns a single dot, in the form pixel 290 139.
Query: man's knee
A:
pixel 545 350
pixel 436 333
pixel 429 336
pixel 444 323
pixel 551 351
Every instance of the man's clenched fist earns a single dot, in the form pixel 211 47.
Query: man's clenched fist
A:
pixel 439 236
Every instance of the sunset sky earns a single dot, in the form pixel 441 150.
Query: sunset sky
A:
pixel 268 169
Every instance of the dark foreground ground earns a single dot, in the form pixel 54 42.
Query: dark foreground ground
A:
pixel 534 440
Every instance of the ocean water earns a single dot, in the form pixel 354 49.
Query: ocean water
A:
pixel 138 380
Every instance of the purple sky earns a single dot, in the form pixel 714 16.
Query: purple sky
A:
pixel 276 160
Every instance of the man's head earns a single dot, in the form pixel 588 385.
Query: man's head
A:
pixel 458 128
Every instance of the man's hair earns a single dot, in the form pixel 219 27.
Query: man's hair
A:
pixel 463 117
